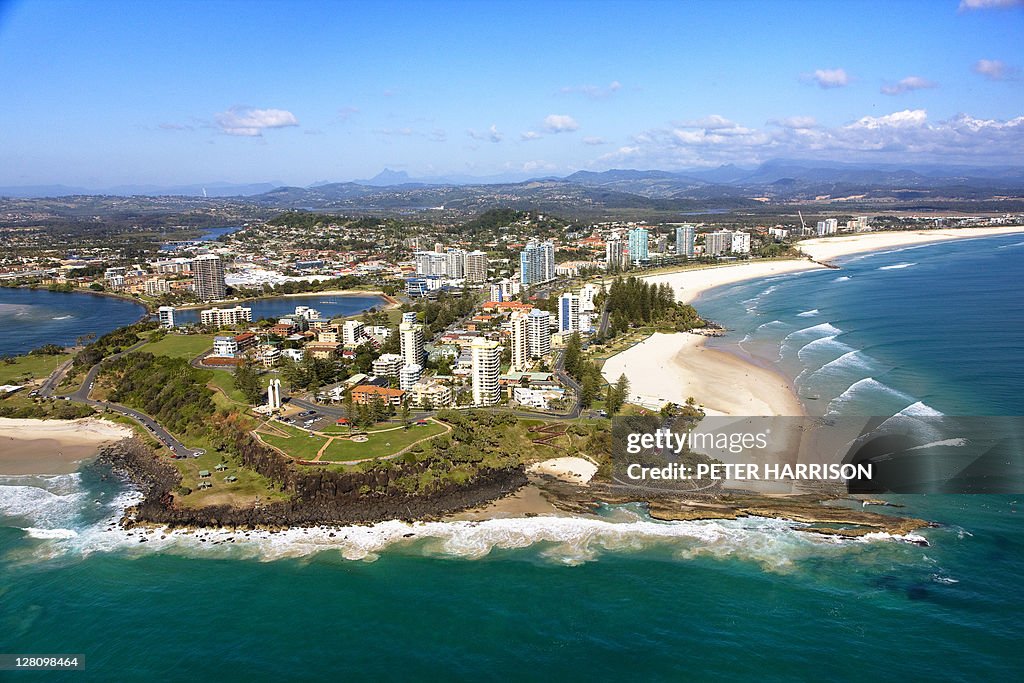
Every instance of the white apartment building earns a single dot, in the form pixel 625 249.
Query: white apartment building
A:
pixel 569 313
pixel 218 317
pixel 411 341
pixel 486 356
pixel 165 314
pixel 225 347
pixel 740 242
pixel 409 375
pixel 540 333
pixel 475 269
pixel 156 287
pixel 388 365
pixel 352 333
pixel 520 340
pixel 208 277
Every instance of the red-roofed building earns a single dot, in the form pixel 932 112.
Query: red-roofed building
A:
pixel 246 340
pixel 365 393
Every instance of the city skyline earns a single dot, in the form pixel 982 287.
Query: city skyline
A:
pixel 110 93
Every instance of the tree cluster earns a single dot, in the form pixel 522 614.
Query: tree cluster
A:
pixel 632 301
pixel 168 389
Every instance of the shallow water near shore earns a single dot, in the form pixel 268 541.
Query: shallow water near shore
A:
pixel 935 329
pixel 579 599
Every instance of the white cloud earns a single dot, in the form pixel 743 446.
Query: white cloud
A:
pixel 897 119
pixel 594 92
pixel 901 136
pixel 252 122
pixel 968 5
pixel 795 122
pixel 712 122
pixel 494 135
pixel 538 165
pixel 995 70
pixel 528 135
pixel 560 123
pixel 345 113
pixel 590 140
pixel 830 78
pixel 175 126
pixel 908 84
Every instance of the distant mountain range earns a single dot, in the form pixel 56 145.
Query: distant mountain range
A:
pixel 721 188
pixel 217 189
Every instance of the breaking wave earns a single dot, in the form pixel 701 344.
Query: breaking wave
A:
pixel 774 544
pixel 868 385
pixel 897 266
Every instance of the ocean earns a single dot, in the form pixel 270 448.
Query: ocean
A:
pixel 30 318
pixel 623 596
pixel 331 306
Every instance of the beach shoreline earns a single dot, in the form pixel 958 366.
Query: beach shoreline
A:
pixel 698 371
pixel 825 249
pixel 47 447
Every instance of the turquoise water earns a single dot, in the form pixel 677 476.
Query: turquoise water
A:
pixel 30 318
pixel 929 330
pixel 572 599
pixel 330 306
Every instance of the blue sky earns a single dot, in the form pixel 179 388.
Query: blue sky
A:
pixel 103 93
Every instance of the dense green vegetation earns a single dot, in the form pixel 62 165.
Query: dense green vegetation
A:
pixel 247 381
pixel 635 302
pixel 111 343
pixel 43 409
pixel 478 441
pixel 168 389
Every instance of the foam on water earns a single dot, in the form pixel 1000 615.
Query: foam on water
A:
pixel 772 543
pixel 897 266
pixel 829 343
pixel 808 314
pixel 855 359
pixel 868 385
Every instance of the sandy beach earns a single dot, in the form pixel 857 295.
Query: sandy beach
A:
pixel 673 367
pixel 53 446
pixel 828 248
pixel 570 469
pixel 689 284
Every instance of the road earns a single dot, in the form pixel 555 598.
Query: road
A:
pixel 81 395
pixel 602 328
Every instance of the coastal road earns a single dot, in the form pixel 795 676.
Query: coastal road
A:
pixel 568 381
pixel 81 395
pixel 55 378
pixel 602 328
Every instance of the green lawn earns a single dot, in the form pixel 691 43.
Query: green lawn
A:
pixel 249 485
pixel 299 444
pixel 186 346
pixel 30 367
pixel 380 443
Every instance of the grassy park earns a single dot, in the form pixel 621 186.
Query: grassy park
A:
pixel 186 346
pixel 30 367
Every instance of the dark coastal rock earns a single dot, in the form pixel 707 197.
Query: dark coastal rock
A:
pixel 320 497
